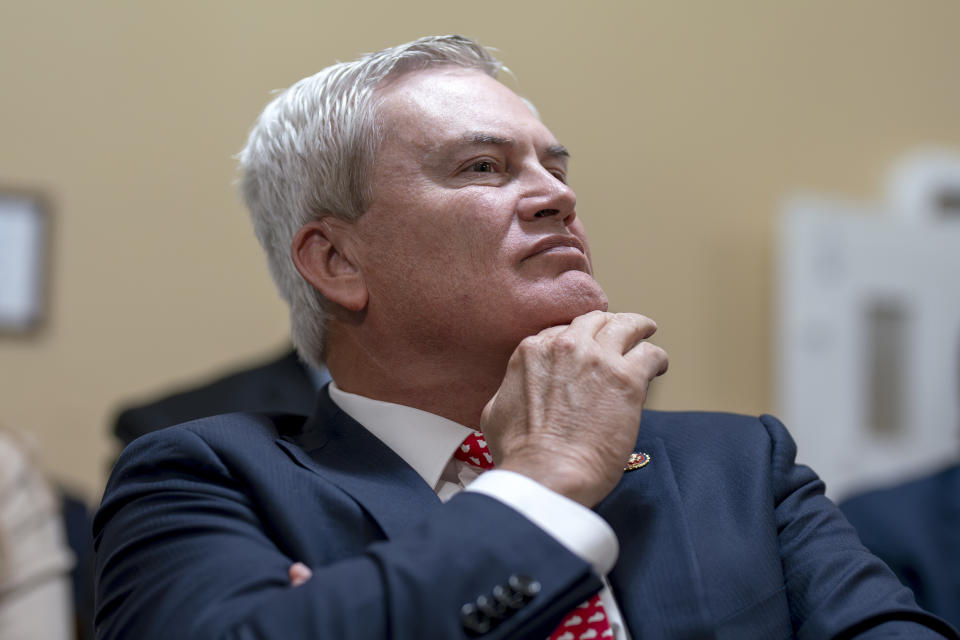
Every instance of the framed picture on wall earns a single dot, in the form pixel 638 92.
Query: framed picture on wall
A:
pixel 23 260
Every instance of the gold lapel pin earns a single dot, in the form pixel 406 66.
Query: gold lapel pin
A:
pixel 636 461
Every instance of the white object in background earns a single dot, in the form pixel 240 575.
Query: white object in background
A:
pixel 925 186
pixel 869 332
pixel 22 235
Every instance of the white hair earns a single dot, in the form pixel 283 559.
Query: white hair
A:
pixel 310 154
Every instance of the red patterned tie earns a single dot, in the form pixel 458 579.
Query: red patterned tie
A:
pixel 587 621
pixel 474 451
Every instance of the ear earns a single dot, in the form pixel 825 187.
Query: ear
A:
pixel 321 253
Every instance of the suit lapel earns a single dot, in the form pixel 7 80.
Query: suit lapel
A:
pixel 657 577
pixel 336 447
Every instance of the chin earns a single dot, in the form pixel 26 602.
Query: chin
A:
pixel 584 293
pixel 580 294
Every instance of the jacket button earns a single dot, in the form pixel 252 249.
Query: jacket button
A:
pixel 474 620
pixel 492 607
pixel 507 597
pixel 524 585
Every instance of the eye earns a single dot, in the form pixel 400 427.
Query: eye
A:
pixel 560 175
pixel 482 166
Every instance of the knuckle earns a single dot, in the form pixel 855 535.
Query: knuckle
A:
pixel 658 353
pixel 623 376
pixel 650 349
pixel 529 344
pixel 564 344
pixel 594 360
pixel 554 330
pixel 618 318
pixel 653 357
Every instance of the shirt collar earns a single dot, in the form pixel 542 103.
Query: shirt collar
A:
pixel 424 440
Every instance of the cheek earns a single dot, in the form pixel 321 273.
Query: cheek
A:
pixel 452 237
pixel 476 230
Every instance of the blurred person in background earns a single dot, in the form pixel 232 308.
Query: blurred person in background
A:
pixel 282 384
pixel 915 528
pixel 35 562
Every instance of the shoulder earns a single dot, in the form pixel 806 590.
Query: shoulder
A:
pixel 232 434
pixel 230 459
pixel 918 488
pixel 694 431
pixel 925 498
pixel 711 450
pixel 217 448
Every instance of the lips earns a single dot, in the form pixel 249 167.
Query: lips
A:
pixel 555 242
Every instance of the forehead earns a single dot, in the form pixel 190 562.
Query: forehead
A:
pixel 430 108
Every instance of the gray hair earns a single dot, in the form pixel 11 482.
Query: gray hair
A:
pixel 310 154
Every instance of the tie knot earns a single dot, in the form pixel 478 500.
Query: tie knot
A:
pixel 474 451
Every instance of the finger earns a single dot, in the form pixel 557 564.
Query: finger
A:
pixel 554 330
pixel 649 359
pixel 299 573
pixel 624 331
pixel 582 328
pixel 589 324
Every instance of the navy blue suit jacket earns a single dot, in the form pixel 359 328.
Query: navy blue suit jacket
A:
pixel 722 536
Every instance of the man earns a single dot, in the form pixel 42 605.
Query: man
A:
pixel 281 384
pixel 417 220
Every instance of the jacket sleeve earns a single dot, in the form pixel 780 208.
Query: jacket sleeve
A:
pixel 836 588
pixel 183 551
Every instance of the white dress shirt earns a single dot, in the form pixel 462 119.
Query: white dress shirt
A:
pixel 427 442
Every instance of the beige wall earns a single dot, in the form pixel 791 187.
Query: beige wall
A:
pixel 688 121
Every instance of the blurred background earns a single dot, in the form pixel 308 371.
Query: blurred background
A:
pixel 692 126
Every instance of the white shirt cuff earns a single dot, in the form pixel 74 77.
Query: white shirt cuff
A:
pixel 574 526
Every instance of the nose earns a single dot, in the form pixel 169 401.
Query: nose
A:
pixel 546 196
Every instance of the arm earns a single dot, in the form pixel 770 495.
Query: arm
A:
pixel 836 587
pixel 185 551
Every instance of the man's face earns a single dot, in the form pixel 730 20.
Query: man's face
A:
pixel 472 239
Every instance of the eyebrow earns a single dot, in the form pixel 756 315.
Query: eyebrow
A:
pixel 554 150
pixel 488 138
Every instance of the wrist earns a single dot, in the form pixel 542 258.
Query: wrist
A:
pixel 570 480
